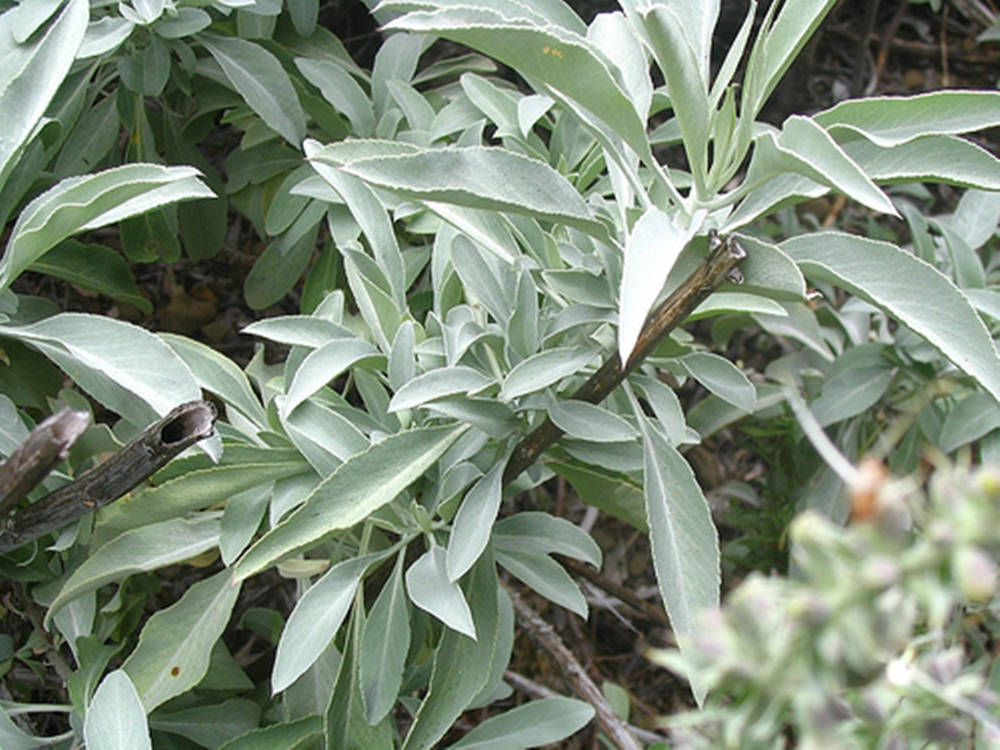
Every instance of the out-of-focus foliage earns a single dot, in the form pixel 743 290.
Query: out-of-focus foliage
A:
pixel 881 637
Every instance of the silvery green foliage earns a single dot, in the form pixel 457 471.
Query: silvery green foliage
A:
pixel 484 250
pixel 878 640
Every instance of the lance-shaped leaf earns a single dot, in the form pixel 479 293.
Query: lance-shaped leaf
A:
pixel 721 377
pixel 901 285
pixel 481 177
pixel 298 330
pixel 932 158
pixel 385 640
pixel 146 548
pixel 651 251
pixel 686 74
pixel 323 365
pixel 778 46
pixel 218 374
pixel 429 587
pixel 544 369
pixel 77 204
pixel 891 120
pixel 539 12
pixel 316 618
pixel 439 383
pixel 259 78
pixel 359 486
pixel 805 148
pixel 342 91
pixel 586 421
pixel 561 59
pixel 533 724
pixel 32 72
pixel 473 523
pixel 123 366
pixel 461 664
pixel 371 216
pixel 176 643
pixel 683 538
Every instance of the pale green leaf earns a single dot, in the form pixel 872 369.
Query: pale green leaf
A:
pixel 115 718
pixel 188 21
pixel 777 46
pixel 240 520
pixel 324 438
pixel 439 383
pixel 219 375
pixel 298 330
pixel 360 486
pixel 385 641
pixel 652 249
pixel 683 538
pixel 470 531
pixel 587 421
pixel 480 177
pixel 970 419
pixel 104 35
pixel 779 191
pixel 342 91
pixel 611 33
pixel 324 364
pixel 125 367
pixel 316 618
pixel 685 69
pixel 461 664
pixel 976 217
pixel 544 369
pixel 259 78
pixel 563 60
pixel 768 271
pixel 532 724
pixel 430 588
pixel 77 204
pixel 546 577
pixel 32 73
pixel 931 158
pixel 855 383
pixel 290 735
pixel 901 284
pixel 723 303
pixel 209 724
pixel 541 533
pixel 805 148
pixel 891 120
pixel 146 548
pixel 196 490
pixel 175 644
pixel 371 216
pixel 721 377
pixel 607 491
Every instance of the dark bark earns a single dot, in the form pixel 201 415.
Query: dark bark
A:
pixel 148 452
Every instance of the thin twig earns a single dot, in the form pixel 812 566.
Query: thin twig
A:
pixel 546 637
pixel 644 608
pixel 722 260
pixel 141 458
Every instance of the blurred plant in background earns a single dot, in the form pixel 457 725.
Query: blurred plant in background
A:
pixel 883 636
